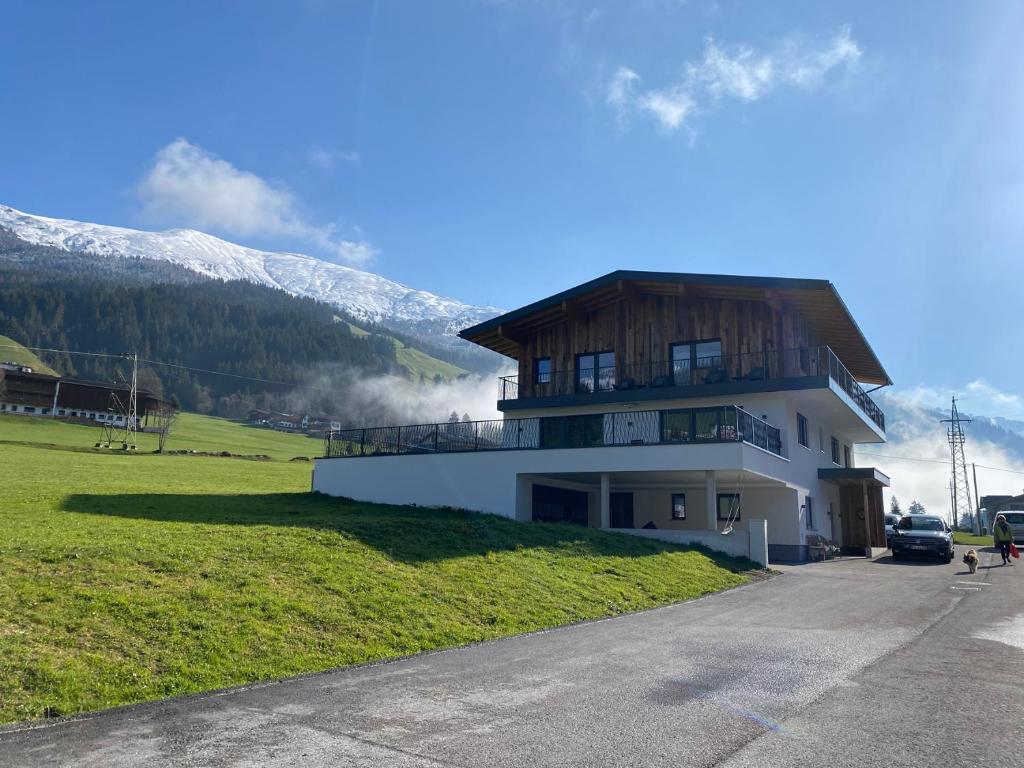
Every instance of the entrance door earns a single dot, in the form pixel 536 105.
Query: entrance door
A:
pixel 559 505
pixel 621 509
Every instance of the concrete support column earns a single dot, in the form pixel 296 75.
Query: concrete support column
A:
pixel 867 520
pixel 524 499
pixel 606 500
pixel 757 530
pixel 711 499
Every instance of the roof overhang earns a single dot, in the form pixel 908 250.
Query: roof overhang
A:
pixel 817 301
pixel 854 476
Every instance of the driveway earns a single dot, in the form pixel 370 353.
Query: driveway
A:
pixel 846 663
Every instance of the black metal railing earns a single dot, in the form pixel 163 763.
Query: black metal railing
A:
pixel 748 367
pixel 718 424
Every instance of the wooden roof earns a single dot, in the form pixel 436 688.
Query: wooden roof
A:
pixel 816 300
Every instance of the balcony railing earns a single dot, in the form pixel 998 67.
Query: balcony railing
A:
pixel 720 424
pixel 748 367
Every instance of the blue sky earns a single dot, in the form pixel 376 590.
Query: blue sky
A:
pixel 498 151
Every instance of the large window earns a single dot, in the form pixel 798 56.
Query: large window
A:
pixel 809 509
pixel 678 506
pixel 542 370
pixel 835 451
pixel 677 426
pixel 728 506
pixel 595 372
pixel 697 362
pixel 572 431
pixel 801 430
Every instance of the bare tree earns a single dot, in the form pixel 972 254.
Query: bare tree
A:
pixel 165 416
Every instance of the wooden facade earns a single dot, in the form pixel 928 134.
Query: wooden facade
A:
pixel 855 529
pixel 639 329
pixel 638 315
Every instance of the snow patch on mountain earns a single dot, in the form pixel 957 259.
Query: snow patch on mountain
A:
pixel 363 295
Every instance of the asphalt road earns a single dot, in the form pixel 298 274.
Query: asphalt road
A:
pixel 846 663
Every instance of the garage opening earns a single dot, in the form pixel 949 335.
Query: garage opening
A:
pixel 560 505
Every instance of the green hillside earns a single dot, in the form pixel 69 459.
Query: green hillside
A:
pixel 13 352
pixel 415 361
pixel 129 578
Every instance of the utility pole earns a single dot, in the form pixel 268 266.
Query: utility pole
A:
pixel 960 491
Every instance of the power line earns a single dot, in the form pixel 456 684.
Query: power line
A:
pixel 935 461
pixel 174 365
pixel 62 351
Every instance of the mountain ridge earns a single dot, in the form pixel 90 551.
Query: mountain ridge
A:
pixel 363 295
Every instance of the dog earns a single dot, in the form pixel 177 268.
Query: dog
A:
pixel 971 559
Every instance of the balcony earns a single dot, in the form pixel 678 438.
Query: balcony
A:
pixel 684 426
pixel 725 374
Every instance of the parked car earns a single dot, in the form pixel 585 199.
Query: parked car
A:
pixel 922 535
pixel 890 524
pixel 1016 522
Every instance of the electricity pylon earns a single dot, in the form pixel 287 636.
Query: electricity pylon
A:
pixel 960 490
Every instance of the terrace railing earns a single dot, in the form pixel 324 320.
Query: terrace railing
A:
pixel 747 367
pixel 678 426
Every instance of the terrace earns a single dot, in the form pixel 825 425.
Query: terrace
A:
pixel 687 377
pixel 721 424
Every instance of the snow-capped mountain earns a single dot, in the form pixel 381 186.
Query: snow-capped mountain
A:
pixel 363 295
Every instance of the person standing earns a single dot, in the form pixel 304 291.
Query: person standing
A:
pixel 1003 537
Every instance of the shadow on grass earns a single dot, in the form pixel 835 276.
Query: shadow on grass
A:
pixel 408 534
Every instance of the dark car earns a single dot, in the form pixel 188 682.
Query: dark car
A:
pixel 922 535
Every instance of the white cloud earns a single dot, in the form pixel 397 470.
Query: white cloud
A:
pixel 741 73
pixel 192 187
pixel 976 397
pixel 320 157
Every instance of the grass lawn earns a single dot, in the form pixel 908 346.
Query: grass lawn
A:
pixel 191 431
pixel 970 540
pixel 135 577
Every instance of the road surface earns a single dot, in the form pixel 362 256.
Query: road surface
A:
pixel 845 663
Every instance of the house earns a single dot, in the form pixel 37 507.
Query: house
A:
pixel 708 409
pixel 25 392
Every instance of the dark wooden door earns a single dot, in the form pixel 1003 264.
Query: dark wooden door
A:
pixel 621 509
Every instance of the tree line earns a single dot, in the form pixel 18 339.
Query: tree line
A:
pixel 239 328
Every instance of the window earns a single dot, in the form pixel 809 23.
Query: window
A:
pixel 3 406
pixel 28 408
pixel 696 362
pixel 728 506
pixel 677 426
pixel 810 513
pixel 542 370
pixel 572 431
pixel 61 412
pixel 801 430
pixel 678 506
pixel 821 439
pixel 595 372
pixel 846 456
pixel 835 451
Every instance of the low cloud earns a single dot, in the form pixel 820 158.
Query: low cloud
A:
pixel 739 73
pixel 359 398
pixel 192 187
pixel 917 454
pixel 976 397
